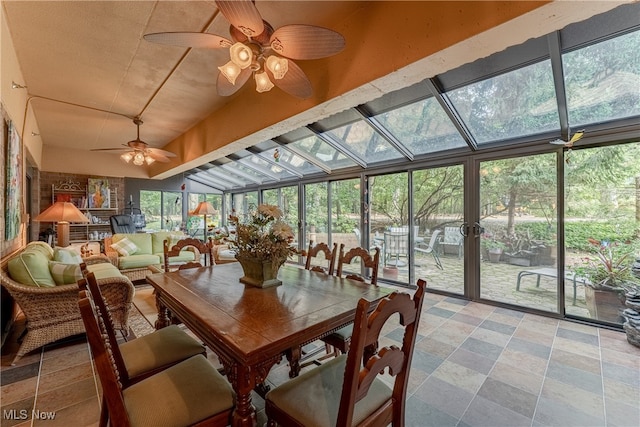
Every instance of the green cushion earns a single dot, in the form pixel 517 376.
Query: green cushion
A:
pixel 138 261
pixel 141 240
pixel 158 237
pixel 41 247
pixel 178 396
pixel 65 274
pixel 104 270
pixel 67 256
pixel 183 256
pixel 163 347
pixel 31 267
pixel 125 247
pixel 313 398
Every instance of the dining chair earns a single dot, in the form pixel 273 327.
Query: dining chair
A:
pixel 340 340
pixel 329 256
pixel 144 356
pixel 353 389
pixel 202 248
pixel 431 248
pixel 367 261
pixel 189 392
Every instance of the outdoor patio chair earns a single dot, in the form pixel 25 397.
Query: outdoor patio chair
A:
pixel 431 248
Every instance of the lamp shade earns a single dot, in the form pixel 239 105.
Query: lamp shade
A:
pixel 62 211
pixel 204 208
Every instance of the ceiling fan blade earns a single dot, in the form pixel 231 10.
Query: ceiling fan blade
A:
pixel 110 149
pixel 243 15
pixel 200 40
pixel 227 89
pixel 295 82
pixel 158 157
pixel 306 42
pixel 159 152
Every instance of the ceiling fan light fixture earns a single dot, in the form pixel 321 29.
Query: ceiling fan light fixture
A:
pixel 231 71
pixel 126 157
pixel 263 82
pixel 278 66
pixel 138 159
pixel 149 160
pixel 241 55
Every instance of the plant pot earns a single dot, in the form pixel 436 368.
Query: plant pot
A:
pixel 258 273
pixel 494 255
pixel 604 305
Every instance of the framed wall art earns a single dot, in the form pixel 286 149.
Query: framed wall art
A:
pixel 13 184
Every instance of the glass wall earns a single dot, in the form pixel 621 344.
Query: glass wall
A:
pixel 162 209
pixel 195 223
pixel 602 229
pixel 518 211
pixel 287 199
pixel 345 212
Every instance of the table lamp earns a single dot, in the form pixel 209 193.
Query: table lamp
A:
pixel 205 208
pixel 63 213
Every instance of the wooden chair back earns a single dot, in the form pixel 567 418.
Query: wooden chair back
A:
pixel 365 361
pixel 91 284
pixel 329 256
pixel 102 348
pixel 367 261
pixel 205 249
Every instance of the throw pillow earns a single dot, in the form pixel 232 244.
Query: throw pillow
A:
pixel 31 268
pixel 65 274
pixel 125 247
pixel 67 256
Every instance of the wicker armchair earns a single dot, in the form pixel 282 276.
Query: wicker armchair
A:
pixel 52 313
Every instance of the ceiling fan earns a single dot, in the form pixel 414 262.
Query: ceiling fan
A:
pixel 259 50
pixel 139 151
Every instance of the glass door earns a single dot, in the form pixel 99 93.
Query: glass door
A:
pixel 518 234
pixel 438 212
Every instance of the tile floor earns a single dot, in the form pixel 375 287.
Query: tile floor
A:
pixel 474 365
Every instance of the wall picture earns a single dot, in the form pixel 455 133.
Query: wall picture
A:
pixel 98 194
pixel 13 185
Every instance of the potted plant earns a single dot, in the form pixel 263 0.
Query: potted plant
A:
pixel 493 247
pixel 607 273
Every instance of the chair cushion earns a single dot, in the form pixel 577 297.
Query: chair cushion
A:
pixel 183 256
pixel 343 333
pixel 178 396
pixel 67 256
pixel 41 247
pixel 65 274
pixel 141 240
pixel 104 270
pixel 138 261
pixel 163 347
pixel 31 267
pixel 313 398
pixel 158 238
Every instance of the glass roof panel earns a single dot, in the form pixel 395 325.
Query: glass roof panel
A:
pixel 292 160
pixel 361 139
pixel 518 103
pixel 603 80
pixel 423 127
pixel 276 170
pixel 242 169
pixel 323 152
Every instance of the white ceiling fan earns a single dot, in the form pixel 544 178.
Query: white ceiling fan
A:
pixel 139 151
pixel 259 50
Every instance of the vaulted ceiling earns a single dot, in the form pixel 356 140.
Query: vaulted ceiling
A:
pixel 88 70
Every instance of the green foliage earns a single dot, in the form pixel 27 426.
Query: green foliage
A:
pixel 609 266
pixel 577 234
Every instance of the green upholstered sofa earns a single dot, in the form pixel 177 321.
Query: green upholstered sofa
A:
pixel 43 282
pixel 148 252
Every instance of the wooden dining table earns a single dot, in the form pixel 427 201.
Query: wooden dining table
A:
pixel 250 329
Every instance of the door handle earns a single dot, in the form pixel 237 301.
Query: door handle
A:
pixel 464 229
pixel 477 229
